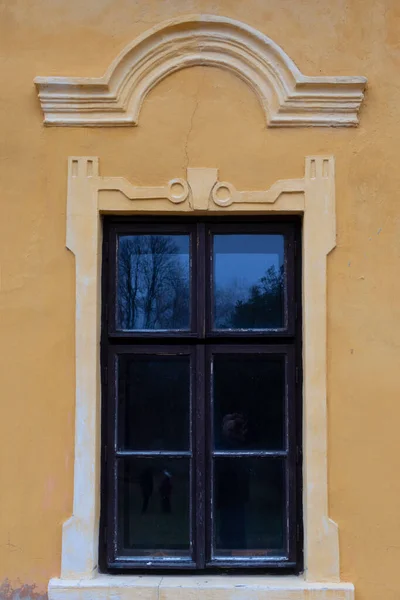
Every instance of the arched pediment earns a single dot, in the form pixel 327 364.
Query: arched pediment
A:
pixel 287 97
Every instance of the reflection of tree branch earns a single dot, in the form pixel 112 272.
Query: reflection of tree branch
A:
pixel 152 283
pixel 136 287
pixel 257 306
pixel 128 281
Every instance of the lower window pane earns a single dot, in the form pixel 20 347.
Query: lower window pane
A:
pixel 153 507
pixel 249 507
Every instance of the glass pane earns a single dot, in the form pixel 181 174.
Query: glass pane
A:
pixel 249 402
pixel 153 282
pixel 153 402
pixel 153 507
pixel 249 507
pixel 248 281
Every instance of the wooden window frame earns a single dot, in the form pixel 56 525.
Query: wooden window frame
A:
pixel 202 342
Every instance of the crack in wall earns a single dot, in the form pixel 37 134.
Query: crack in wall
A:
pixel 186 164
pixel 159 587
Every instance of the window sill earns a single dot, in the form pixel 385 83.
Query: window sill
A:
pixel 172 587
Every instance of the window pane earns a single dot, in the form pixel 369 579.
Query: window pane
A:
pixel 153 402
pixel 249 500
pixel 153 507
pixel 153 282
pixel 248 281
pixel 249 402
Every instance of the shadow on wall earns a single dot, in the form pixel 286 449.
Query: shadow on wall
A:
pixel 24 592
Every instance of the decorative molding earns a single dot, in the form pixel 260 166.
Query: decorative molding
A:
pixel 90 195
pixel 201 188
pixel 287 97
pixel 176 191
pixel 224 193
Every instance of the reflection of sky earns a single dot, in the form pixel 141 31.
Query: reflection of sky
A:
pixel 245 258
pixel 238 258
pixel 181 243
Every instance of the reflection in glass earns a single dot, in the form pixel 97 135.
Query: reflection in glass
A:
pixel 248 281
pixel 153 282
pixel 153 506
pixel 249 402
pixel 153 402
pixel 249 500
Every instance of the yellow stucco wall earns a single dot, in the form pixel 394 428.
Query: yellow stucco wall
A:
pixel 199 117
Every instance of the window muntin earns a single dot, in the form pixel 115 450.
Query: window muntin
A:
pixel 151 455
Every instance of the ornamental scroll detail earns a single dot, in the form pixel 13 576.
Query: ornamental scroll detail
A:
pixel 201 190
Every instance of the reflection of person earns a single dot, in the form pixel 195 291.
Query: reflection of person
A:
pixel 233 486
pixel 146 486
pixel 165 490
pixel 234 430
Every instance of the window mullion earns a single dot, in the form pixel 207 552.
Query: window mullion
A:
pixel 200 278
pixel 199 471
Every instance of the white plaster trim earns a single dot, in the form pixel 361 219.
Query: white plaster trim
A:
pixel 89 195
pixel 197 588
pixel 288 97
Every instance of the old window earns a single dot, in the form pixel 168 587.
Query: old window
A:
pixel 201 407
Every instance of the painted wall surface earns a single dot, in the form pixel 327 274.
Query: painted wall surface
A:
pixel 199 117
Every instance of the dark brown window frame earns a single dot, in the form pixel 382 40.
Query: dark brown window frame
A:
pixel 200 342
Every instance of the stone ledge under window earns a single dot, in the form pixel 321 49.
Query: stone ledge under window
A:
pixel 170 587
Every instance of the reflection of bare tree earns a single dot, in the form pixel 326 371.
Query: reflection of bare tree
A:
pixel 153 283
pixel 257 306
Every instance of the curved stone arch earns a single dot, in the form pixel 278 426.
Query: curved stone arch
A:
pixel 287 97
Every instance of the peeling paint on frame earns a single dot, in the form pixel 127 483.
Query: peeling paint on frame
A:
pixel 25 591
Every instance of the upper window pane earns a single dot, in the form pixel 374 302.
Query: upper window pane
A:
pixel 153 282
pixel 248 281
